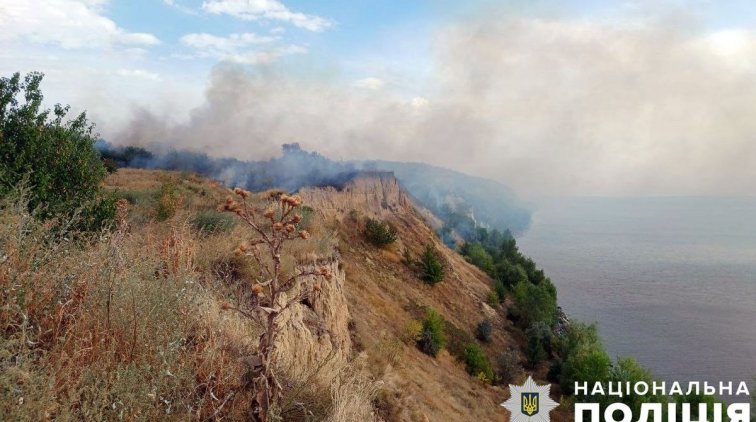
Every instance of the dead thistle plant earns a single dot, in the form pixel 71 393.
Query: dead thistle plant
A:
pixel 273 226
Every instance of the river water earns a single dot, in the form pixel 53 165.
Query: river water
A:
pixel 670 281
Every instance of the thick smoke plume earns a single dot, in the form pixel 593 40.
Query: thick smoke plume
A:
pixel 545 106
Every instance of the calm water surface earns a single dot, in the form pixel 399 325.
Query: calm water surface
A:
pixel 671 281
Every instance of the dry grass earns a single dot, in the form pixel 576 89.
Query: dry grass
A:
pixel 128 325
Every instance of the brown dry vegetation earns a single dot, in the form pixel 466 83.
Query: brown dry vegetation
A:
pixel 129 325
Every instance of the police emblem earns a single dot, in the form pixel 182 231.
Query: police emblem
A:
pixel 529 402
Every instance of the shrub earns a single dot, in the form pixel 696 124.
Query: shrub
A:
pixel 508 367
pixel 476 362
pixel 534 352
pixel 412 331
pixel 535 302
pixel 483 331
pixel 542 333
pixel 627 370
pixel 379 233
pixel 492 299
pixel 500 290
pixel 432 338
pixel 477 255
pixel 457 339
pixel 583 357
pixel 211 222
pixel 168 201
pixel 430 266
pixel 52 155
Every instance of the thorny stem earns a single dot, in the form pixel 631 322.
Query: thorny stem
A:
pixel 282 229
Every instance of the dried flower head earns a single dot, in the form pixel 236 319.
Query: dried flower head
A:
pixel 304 234
pixel 290 228
pixel 257 290
pixel 241 192
pixel 296 219
pixel 269 213
pixel 294 201
pixel 277 226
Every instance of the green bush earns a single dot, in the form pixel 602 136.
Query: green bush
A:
pixel 430 266
pixel 539 347
pixel 508 367
pixel 432 338
pixel 583 357
pixel 476 362
pixel 53 155
pixel 212 222
pixel 379 233
pixel 627 370
pixel 483 331
pixel 535 302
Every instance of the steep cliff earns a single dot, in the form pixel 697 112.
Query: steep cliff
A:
pixel 385 296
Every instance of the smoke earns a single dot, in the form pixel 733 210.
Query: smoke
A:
pixel 546 106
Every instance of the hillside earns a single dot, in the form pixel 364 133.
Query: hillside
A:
pixel 160 292
pixel 460 201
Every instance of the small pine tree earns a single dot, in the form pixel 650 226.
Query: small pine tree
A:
pixel 431 269
pixel 432 338
pixel 477 364
pixel 379 233
pixel 483 331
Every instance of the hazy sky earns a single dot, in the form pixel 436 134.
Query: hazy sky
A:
pixel 549 97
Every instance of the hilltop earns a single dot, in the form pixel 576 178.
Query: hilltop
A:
pixel 351 351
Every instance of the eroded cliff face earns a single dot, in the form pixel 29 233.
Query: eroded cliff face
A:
pixel 386 296
pixel 376 194
pixel 316 328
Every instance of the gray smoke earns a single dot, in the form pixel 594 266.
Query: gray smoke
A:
pixel 545 106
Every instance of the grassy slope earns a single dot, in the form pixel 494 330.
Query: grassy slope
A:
pixel 131 326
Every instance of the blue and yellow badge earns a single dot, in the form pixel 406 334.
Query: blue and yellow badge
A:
pixel 529 403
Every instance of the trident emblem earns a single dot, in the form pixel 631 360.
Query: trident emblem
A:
pixel 529 403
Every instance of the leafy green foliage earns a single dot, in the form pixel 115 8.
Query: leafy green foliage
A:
pixel 538 347
pixel 53 155
pixel 432 338
pixel 477 363
pixel 584 357
pixel 484 330
pixel 212 222
pixel 628 370
pixel 535 303
pixel 533 293
pixel 379 233
pixel 431 269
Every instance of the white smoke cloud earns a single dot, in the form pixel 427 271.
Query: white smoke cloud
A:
pixel 546 106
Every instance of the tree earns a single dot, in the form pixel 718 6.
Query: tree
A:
pixel 584 357
pixel 55 156
pixel 379 233
pixel 484 330
pixel 274 226
pixel 535 302
pixel 432 271
pixel 432 338
pixel 476 363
